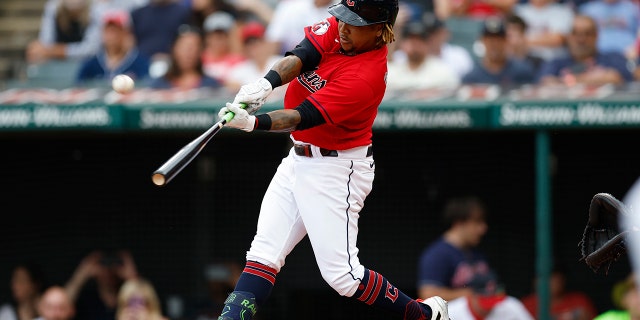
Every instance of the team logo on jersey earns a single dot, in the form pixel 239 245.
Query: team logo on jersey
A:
pixel 312 81
pixel 320 28
pixel 391 293
pixel 350 3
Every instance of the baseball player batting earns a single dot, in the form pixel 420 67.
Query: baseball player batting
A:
pixel 337 79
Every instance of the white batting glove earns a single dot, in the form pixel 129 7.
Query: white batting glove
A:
pixel 241 120
pixel 253 95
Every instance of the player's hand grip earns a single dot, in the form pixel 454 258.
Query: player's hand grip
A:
pixel 229 115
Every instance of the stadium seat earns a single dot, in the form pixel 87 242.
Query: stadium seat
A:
pixel 53 74
pixel 464 31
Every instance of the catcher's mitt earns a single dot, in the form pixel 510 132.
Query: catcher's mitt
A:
pixel 602 241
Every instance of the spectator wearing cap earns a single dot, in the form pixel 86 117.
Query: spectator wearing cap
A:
pixel 618 24
pixel 420 70
pixel 201 9
pixel 437 37
pixel 155 26
pixel 548 24
pixel 474 9
pixel 259 61
pixel 185 65
pixel 496 67
pixel 118 55
pixel 586 64
pixel 219 56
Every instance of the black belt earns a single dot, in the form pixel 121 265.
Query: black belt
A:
pixel 305 151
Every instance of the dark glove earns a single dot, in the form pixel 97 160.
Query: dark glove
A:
pixel 602 241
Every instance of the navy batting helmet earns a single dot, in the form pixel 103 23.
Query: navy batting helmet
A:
pixel 365 12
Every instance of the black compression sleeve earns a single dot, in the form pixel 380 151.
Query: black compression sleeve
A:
pixel 310 116
pixel 309 55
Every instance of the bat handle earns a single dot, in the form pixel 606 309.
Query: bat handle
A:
pixel 229 115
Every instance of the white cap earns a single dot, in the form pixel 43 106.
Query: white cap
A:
pixel 221 21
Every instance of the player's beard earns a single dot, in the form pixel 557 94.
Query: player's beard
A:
pixel 352 51
pixel 346 47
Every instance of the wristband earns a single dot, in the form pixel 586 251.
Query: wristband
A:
pixel 274 78
pixel 263 122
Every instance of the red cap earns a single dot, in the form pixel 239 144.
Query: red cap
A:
pixel 118 18
pixel 252 30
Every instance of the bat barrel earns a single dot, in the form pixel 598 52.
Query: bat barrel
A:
pixel 182 158
pixel 170 169
pixel 159 179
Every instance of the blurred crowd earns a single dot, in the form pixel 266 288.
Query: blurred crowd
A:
pixel 110 284
pixel 186 44
pixel 106 285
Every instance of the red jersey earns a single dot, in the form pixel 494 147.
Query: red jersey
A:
pixel 566 308
pixel 479 9
pixel 347 90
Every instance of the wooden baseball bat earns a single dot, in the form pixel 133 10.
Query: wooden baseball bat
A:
pixel 184 156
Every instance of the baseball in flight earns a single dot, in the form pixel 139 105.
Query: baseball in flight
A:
pixel 122 84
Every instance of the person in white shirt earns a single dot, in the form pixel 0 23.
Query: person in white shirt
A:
pixel 548 24
pixel 286 28
pixel 420 69
pixel 259 61
pixel 437 37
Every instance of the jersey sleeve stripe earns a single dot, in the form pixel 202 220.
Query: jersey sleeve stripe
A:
pixel 375 292
pixel 321 108
pixel 314 40
pixel 370 283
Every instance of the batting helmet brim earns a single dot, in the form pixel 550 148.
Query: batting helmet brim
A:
pixel 347 16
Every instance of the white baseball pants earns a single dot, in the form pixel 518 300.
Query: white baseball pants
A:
pixel 320 197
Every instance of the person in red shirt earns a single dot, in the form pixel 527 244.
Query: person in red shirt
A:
pixel 220 54
pixel 565 305
pixel 475 9
pixel 337 79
